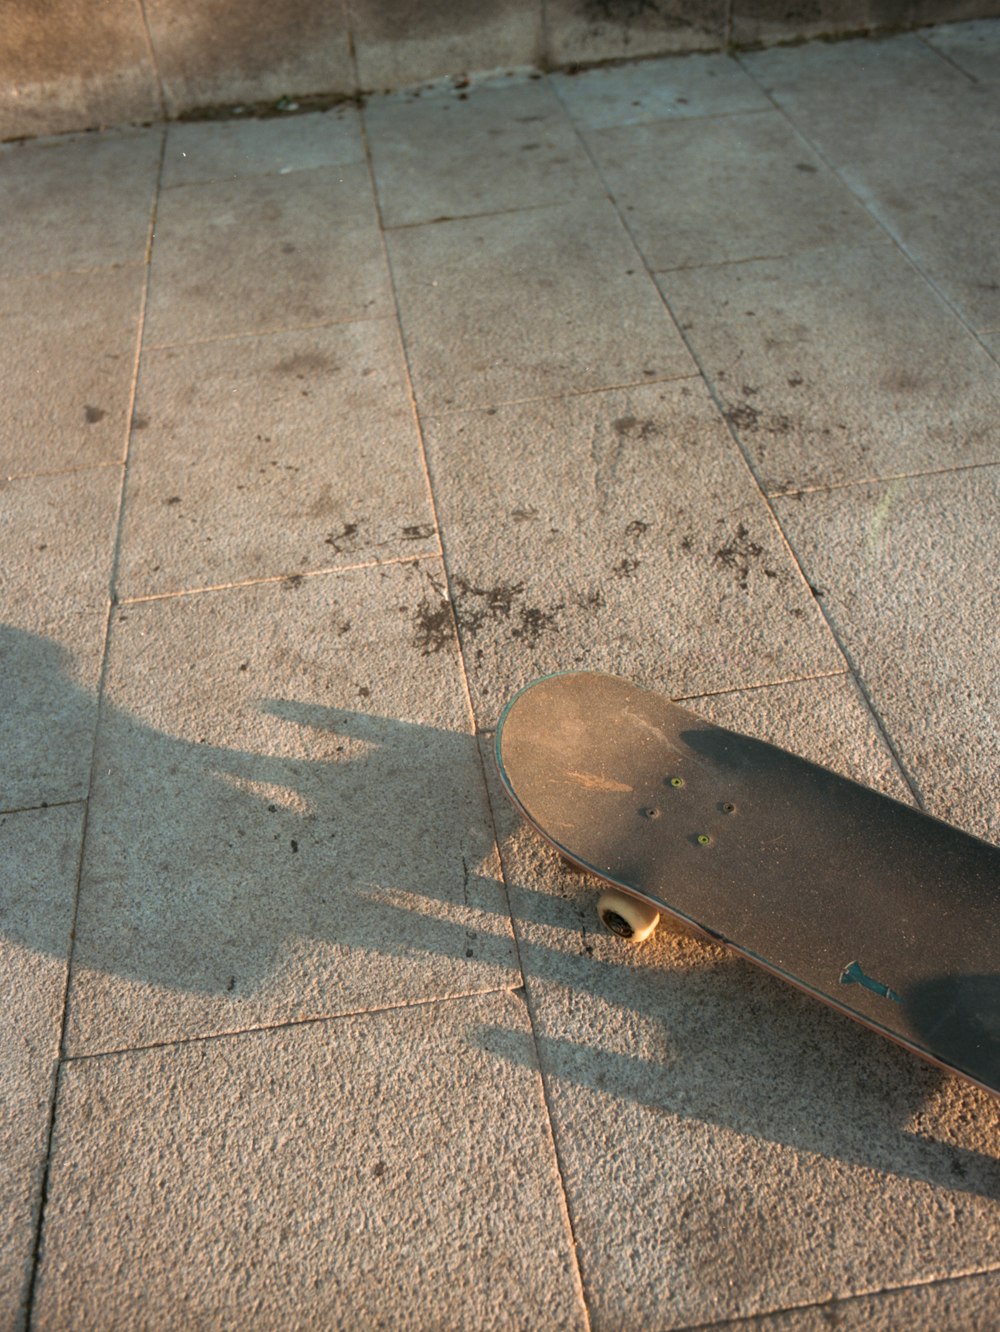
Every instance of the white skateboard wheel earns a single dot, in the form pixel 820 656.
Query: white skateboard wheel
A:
pixel 627 917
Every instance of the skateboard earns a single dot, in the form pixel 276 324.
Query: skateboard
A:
pixel 887 914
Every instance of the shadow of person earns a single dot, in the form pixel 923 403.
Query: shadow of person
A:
pixel 47 720
pixel 327 861
pixel 338 860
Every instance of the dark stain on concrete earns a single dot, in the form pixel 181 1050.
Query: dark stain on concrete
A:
pixel 592 600
pixel 343 539
pixel 434 629
pixel 94 414
pixel 630 427
pixel 479 606
pixel 738 554
pixel 626 568
pixel 303 363
pixel 534 622
pixel 743 417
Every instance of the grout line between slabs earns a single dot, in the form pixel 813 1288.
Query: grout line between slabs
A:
pixel 843 673
pixel 854 668
pixel 890 478
pixel 265 173
pixel 747 1321
pixel 60 471
pixel 909 780
pixel 529 1003
pixel 568 1221
pixel 267 579
pixel 690 118
pixel 948 60
pixel 436 413
pixel 819 247
pixel 58 1062
pixel 265 332
pixel 896 239
pixel 42 804
pixel 83 270
pixel 756 480
pixel 445 220
pixel 291 1024
pixel 417 422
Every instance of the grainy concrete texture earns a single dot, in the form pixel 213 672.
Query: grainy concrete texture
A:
pixel 73 65
pixel 319 436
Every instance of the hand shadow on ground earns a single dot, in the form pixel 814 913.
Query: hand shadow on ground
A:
pixel 343 860
pixel 335 860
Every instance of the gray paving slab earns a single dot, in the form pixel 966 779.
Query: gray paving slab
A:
pixel 402 42
pixel 39 859
pixel 974 47
pixel 729 1146
pixel 81 201
pixel 500 146
pixel 259 51
pixel 73 67
pixel 222 149
pixel 894 76
pixel 723 188
pixel 616 531
pixel 651 90
pixel 267 456
pixel 587 30
pixel 74 413
pixel 57 536
pixel 840 365
pixel 392 1169
pixel 952 1306
pixel 288 819
pixel 526 305
pixel 262 253
pixel 889 122
pixel 907 573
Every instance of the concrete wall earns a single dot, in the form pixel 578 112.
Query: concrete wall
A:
pixel 76 64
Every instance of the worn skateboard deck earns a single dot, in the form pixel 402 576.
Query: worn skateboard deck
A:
pixel 887 914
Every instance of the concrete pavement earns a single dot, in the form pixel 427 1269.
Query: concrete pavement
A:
pixel 323 434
